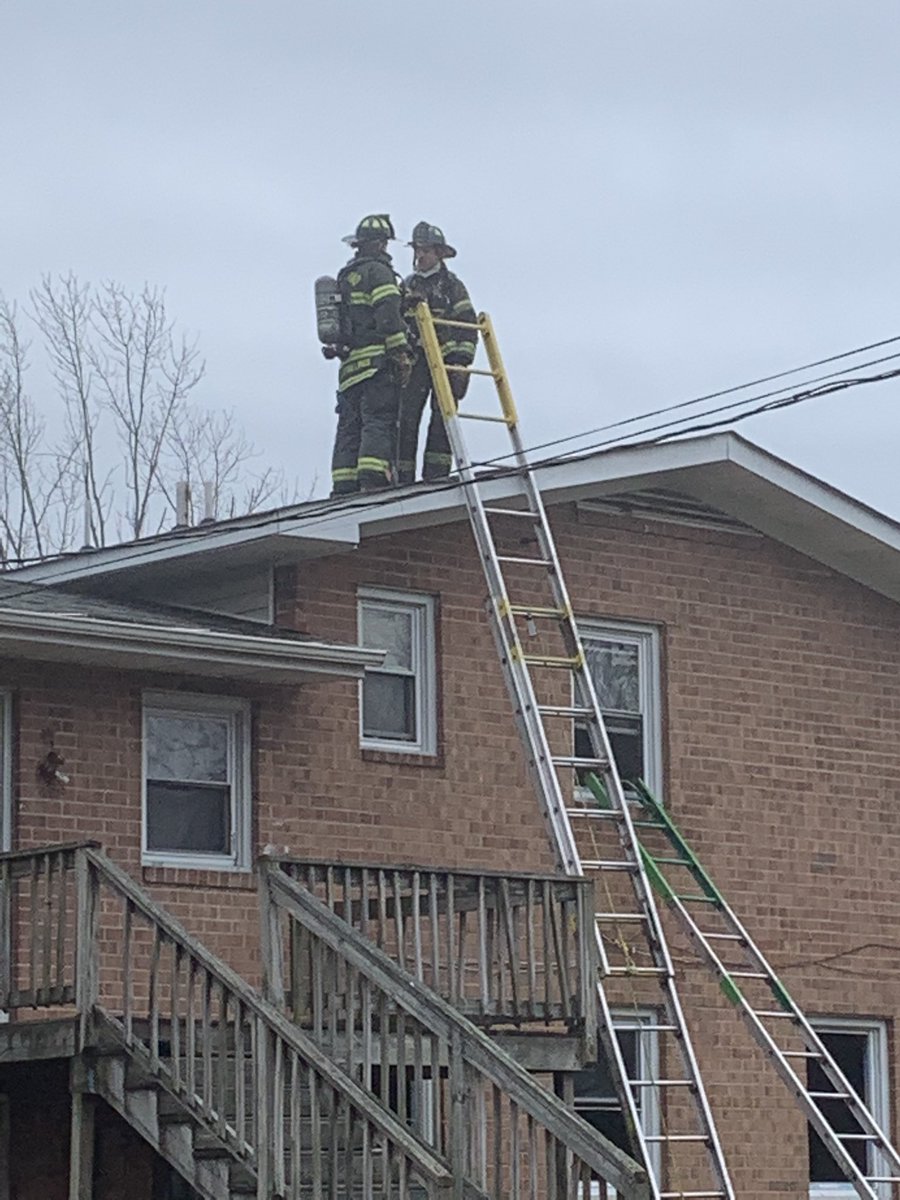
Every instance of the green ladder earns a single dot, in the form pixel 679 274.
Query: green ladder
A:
pixel 749 982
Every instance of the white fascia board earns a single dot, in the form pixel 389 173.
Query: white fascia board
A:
pixel 278 539
pixel 69 637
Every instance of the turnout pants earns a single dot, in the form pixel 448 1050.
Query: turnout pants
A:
pixel 437 460
pixel 365 444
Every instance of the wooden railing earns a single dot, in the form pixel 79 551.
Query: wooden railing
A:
pixel 504 949
pixel 442 1075
pixel 77 931
pixel 38 927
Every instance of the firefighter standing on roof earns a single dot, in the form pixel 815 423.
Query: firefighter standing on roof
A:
pixel 375 362
pixel 447 297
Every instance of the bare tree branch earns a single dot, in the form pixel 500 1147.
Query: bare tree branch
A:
pixel 130 427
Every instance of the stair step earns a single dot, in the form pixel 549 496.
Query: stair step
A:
pixel 207 1147
pixel 170 1111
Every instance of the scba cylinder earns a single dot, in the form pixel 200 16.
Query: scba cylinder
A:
pixel 328 310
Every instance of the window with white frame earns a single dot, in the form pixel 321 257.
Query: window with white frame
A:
pixel 624 663
pixel 595 1095
pixel 196 780
pixel 398 700
pixel 859 1047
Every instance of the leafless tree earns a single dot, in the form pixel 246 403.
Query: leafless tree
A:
pixel 36 505
pixel 127 425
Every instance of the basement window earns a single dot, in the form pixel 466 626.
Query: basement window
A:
pixel 196 781
pixel 595 1095
pixel 860 1049
pixel 398 701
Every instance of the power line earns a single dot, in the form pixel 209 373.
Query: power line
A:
pixel 686 404
pixel 770 406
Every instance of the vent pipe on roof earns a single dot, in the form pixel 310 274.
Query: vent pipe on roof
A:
pixel 87 543
pixel 182 503
pixel 209 503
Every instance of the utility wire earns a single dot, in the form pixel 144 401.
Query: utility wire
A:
pixel 572 437
pixel 674 407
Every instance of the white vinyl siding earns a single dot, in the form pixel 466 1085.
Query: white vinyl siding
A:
pixel 196 781
pixel 398 701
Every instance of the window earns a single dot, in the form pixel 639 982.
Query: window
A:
pixel 196 780
pixel 624 664
pixel 398 701
pixel 595 1096
pixel 860 1050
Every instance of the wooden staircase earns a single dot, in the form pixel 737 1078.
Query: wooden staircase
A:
pixel 241 1100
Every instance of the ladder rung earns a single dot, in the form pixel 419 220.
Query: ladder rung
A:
pixel 566 710
pixel 828 1095
pixel 659 1028
pixel 650 825
pixel 638 971
pixel 451 324
pixel 689 1195
pixel 470 416
pixel 607 864
pixel 550 660
pixel 618 916
pixel 800 1054
pixel 738 974
pixel 651 1083
pixel 727 937
pixel 531 562
pixel 772 1014
pixel 672 862
pixel 676 1137
pixel 523 610
pixel 511 512
pixel 692 899
pixel 580 763
pixel 857 1137
pixel 595 814
pixel 883 1179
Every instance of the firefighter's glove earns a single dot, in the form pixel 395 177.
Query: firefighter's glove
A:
pixel 335 352
pixel 459 384
pixel 401 363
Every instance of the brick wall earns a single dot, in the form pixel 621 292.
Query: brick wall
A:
pixel 782 754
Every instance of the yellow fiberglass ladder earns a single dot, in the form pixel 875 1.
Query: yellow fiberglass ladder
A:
pixel 552 689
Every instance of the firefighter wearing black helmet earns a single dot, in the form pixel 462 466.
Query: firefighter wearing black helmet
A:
pixel 375 362
pixel 447 297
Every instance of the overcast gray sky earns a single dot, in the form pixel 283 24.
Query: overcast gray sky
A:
pixel 652 199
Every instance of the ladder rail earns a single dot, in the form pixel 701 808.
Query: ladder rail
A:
pixel 866 1184
pixel 544 770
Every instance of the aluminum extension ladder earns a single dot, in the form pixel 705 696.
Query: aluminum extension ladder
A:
pixel 551 688
pixel 781 1029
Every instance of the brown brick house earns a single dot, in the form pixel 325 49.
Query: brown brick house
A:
pixel 193 699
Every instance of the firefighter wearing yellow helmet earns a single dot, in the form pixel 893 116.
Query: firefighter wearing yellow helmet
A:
pixel 447 297
pixel 376 361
